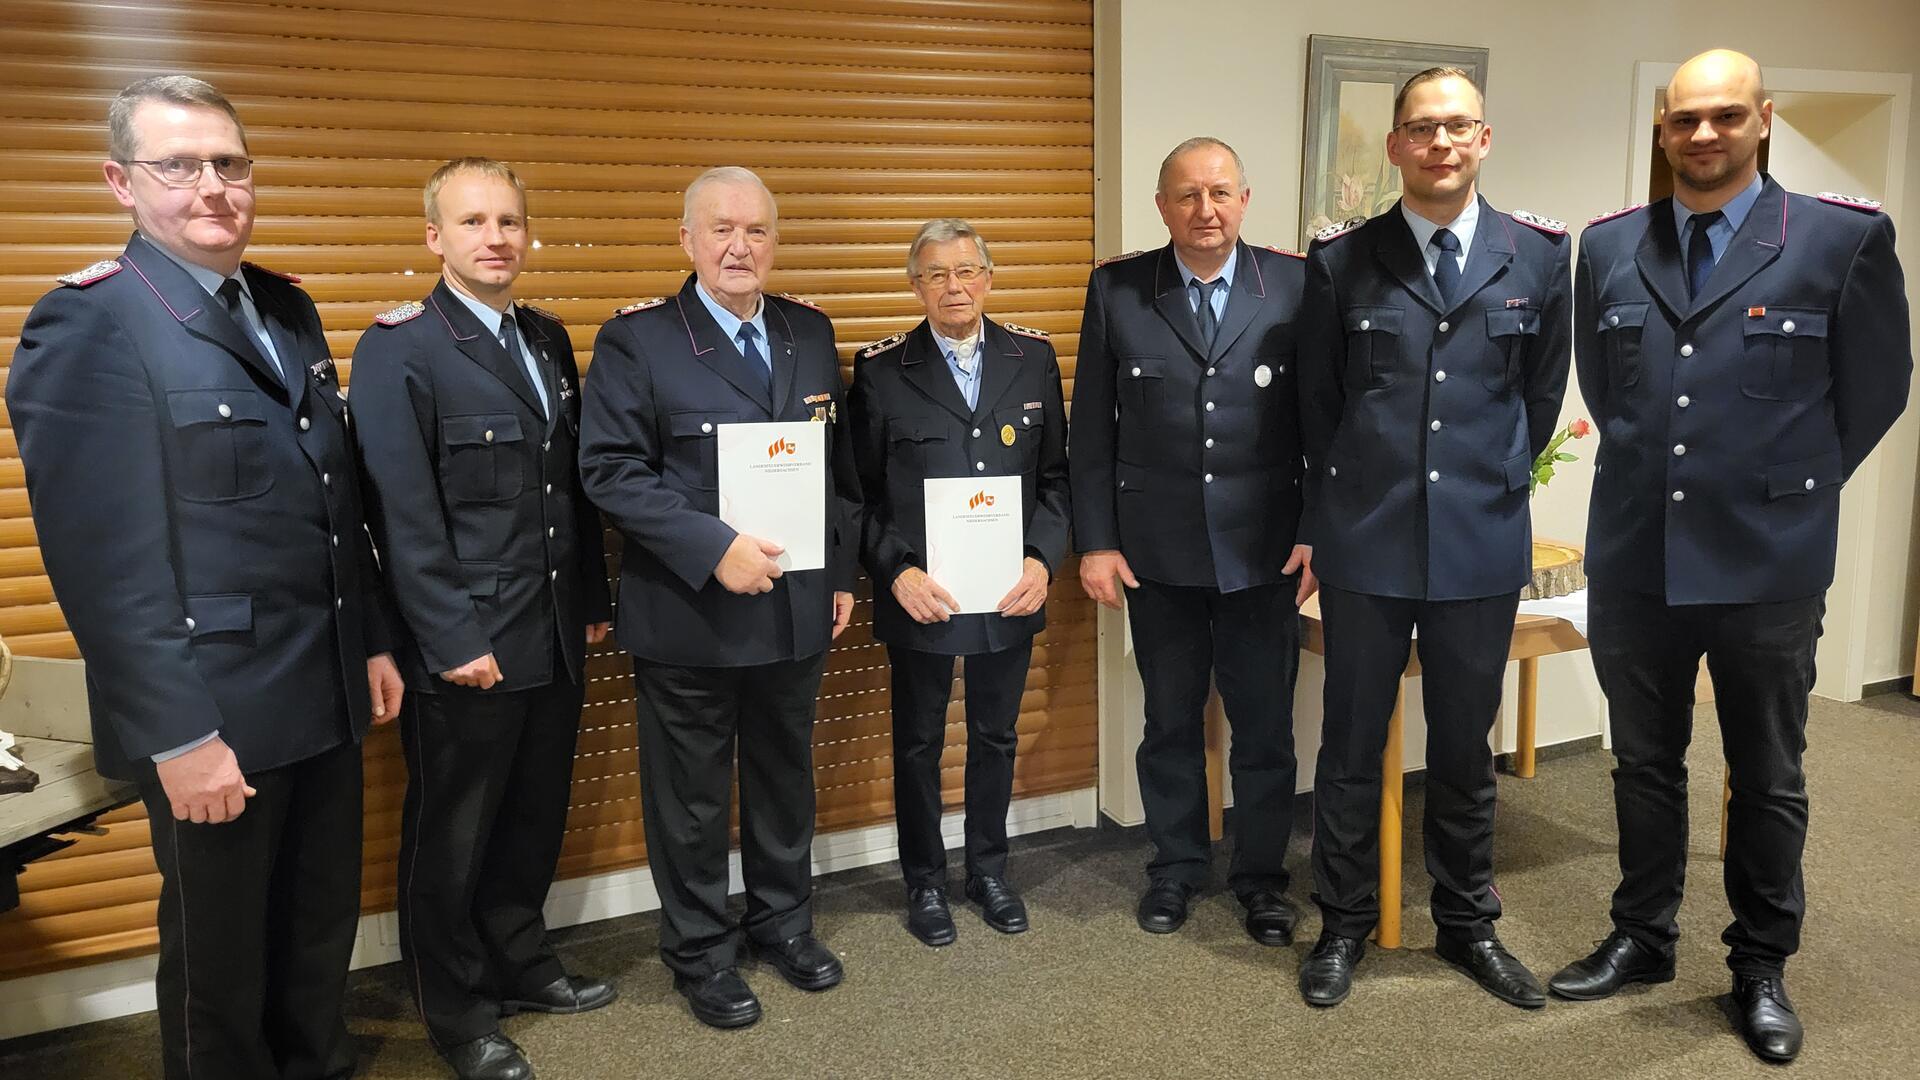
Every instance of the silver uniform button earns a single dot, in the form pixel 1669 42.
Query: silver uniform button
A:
pixel 1366 324
pixel 1209 444
pixel 1209 371
pixel 1679 449
pixel 1683 401
pixel 1026 421
pixel 1433 477
pixel 979 466
pixel 553 575
pixel 1613 320
pixel 706 429
pixel 549 489
pixel 1209 406
pixel 1439 376
pixel 337 602
pixel 226 411
pixel 1123 483
pixel 1333 470
pixel 549 532
pixel 1208 478
pixel 190 624
pixel 336 539
pixel 976 433
pixel 1282 369
pixel 1679 496
pixel 1136 373
pixel 489 435
pixel 1787 327
pixel 1686 350
pixel 1809 483
pixel 548 445
pixel 326 479
pixel 305 423
pixel 1445 326
pixel 1435 425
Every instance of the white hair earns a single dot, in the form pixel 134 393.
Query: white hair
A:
pixel 725 174
pixel 939 231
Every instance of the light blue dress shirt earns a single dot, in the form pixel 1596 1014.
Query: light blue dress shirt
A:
pixel 1720 233
pixel 491 319
pixel 211 281
pixel 969 384
pixel 730 323
pixel 1219 295
pixel 1462 227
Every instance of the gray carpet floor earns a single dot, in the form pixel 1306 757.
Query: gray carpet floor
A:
pixel 1087 994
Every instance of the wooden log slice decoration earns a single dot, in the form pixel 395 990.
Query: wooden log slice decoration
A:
pixel 1557 571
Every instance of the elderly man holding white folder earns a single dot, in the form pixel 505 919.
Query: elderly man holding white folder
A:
pixel 960 436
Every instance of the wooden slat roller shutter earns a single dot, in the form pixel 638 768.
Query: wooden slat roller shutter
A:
pixel 866 117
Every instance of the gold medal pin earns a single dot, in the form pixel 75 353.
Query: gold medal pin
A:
pixel 1006 435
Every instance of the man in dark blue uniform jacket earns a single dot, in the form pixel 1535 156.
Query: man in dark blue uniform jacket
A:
pixel 725 644
pixel 1742 348
pixel 469 417
pixel 957 396
pixel 1186 488
pixel 196 494
pixel 1433 362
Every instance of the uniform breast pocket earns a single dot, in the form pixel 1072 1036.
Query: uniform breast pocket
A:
pixel 221 436
pixel 695 454
pixel 1512 332
pixel 1373 343
pixel 918 444
pixel 483 456
pixel 1141 379
pixel 1620 328
pixel 1786 354
pixel 1017 433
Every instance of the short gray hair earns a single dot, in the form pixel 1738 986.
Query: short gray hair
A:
pixel 939 231
pixel 173 89
pixel 726 174
pixel 1199 142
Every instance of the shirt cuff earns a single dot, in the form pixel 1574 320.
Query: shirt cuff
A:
pixel 168 755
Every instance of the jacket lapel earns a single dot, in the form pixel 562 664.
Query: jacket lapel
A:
pixel 713 349
pixel 926 370
pixel 1758 243
pixel 547 354
pixel 198 312
pixel 1393 246
pixel 286 342
pixel 481 345
pixel 1661 266
pixel 1170 300
pixel 1001 370
pixel 779 355
pixel 1492 251
pixel 1249 291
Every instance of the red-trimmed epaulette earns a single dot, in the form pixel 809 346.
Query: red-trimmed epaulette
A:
pixel 1851 202
pixel 1117 258
pixel 99 271
pixel 1544 224
pixel 868 352
pixel 1016 328
pixel 281 274
pixel 803 302
pixel 1338 229
pixel 1285 251
pixel 641 305
pixel 404 313
pixel 1622 212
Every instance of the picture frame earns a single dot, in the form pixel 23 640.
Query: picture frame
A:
pixel 1351 83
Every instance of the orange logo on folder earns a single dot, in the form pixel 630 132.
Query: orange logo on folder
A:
pixel 980 499
pixel 780 446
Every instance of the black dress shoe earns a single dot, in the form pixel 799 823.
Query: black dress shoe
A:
pixel 805 963
pixel 566 994
pixel 1618 961
pixel 1163 907
pixel 1327 975
pixel 1495 969
pixel 1766 1018
pixel 928 917
pixel 1000 906
pixel 721 1000
pixel 490 1057
pixel 1270 918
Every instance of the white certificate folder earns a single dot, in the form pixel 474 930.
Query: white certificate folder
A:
pixel 975 538
pixel 773 485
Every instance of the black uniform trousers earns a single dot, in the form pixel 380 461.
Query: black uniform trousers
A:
pixel 257 921
pixel 1761 659
pixel 488 784
pixel 1249 642
pixel 1463 661
pixel 689 719
pixel 922 687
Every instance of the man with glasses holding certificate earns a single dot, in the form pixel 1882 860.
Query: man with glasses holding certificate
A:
pixel 1432 363
pixel 728 628
pixel 960 435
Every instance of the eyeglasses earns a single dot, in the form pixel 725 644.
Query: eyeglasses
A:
pixel 965 275
pixel 1421 132
pixel 181 171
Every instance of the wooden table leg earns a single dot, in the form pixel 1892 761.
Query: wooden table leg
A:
pixel 1216 736
pixel 1392 802
pixel 1529 717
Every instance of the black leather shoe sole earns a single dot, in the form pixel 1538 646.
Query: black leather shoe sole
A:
pixel 944 934
pixel 1161 922
pixel 587 1004
pixel 1272 936
pixel 1327 1001
pixel 1658 975
pixel 805 980
pixel 719 1018
pixel 1005 926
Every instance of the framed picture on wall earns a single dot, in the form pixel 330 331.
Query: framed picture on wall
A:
pixel 1350 87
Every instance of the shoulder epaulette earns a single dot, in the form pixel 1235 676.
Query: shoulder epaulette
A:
pixel 1286 251
pixel 641 305
pixel 1117 258
pixel 1016 328
pixel 282 275
pixel 868 352
pixel 394 317
pixel 1544 224
pixel 1622 212
pixel 542 312
pixel 99 271
pixel 1338 229
pixel 1856 202
pixel 802 302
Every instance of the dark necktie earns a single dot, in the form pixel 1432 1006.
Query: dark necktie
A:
pixel 1446 268
pixel 510 341
pixel 1209 323
pixel 229 295
pixel 1700 251
pixel 755 360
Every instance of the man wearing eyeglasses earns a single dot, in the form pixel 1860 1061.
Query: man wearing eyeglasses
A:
pixel 1743 349
pixel 196 494
pixel 1186 469
pixel 469 412
pixel 957 396
pixel 1433 362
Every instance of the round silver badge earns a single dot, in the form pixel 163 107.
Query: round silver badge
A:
pixel 1262 375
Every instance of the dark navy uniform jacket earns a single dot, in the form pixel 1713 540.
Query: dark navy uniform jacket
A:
pixel 1729 421
pixel 1186 457
pixel 201 523
pixel 664 379
pixel 911 423
pixel 1423 418
pixel 489 543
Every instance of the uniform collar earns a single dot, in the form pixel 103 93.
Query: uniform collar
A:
pixel 1736 210
pixel 728 322
pixel 1462 227
pixel 488 317
pixel 1226 270
pixel 210 280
